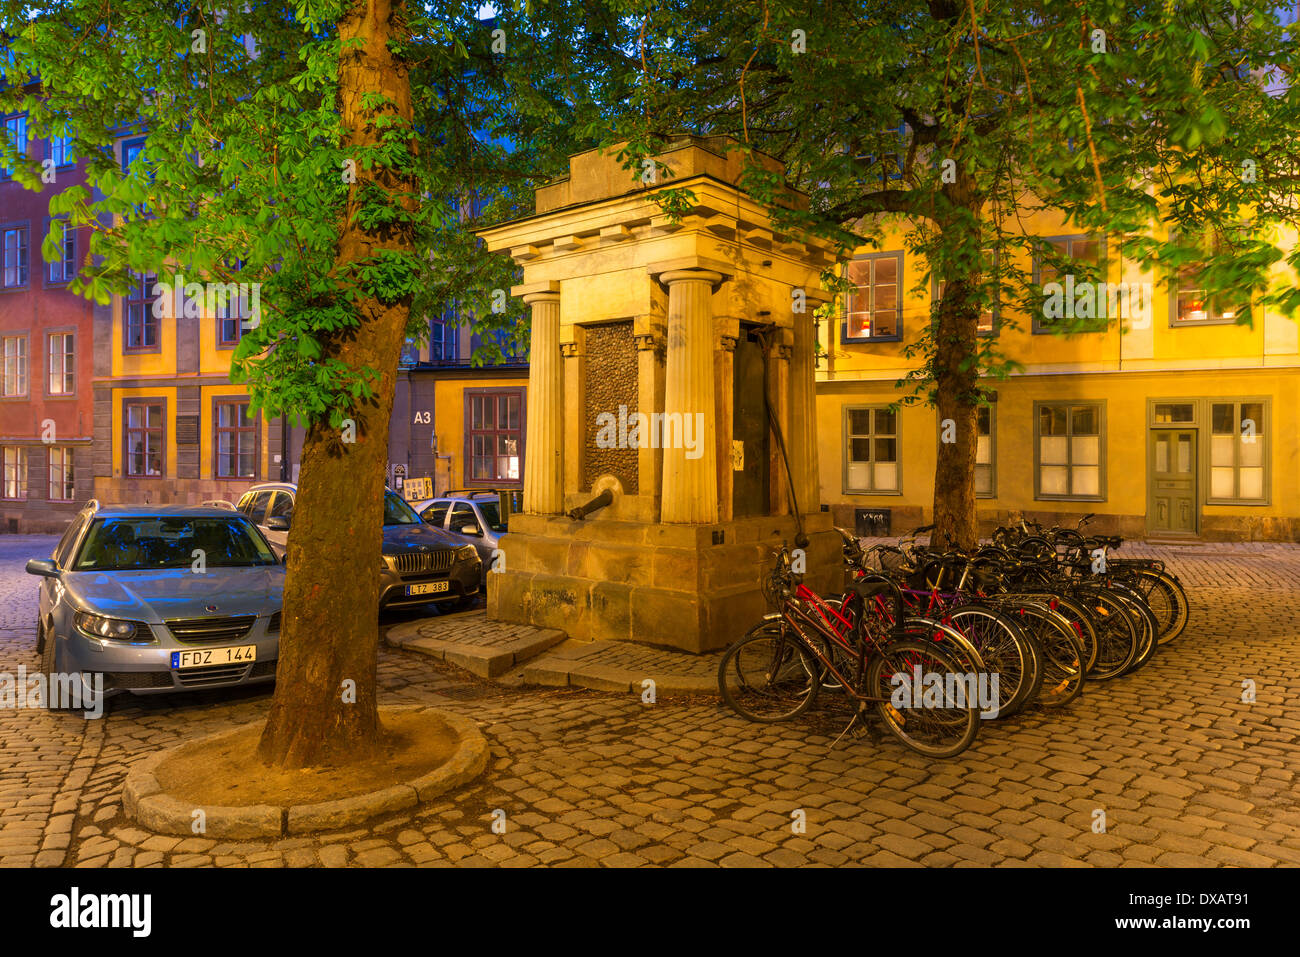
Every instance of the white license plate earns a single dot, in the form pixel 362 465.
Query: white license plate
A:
pixel 211 657
pixel 428 588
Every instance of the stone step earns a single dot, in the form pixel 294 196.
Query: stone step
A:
pixel 468 640
pixel 623 667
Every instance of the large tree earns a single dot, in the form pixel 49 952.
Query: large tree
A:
pixel 1162 126
pixel 339 153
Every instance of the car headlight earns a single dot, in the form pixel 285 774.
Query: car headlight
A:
pixel 466 552
pixel 112 629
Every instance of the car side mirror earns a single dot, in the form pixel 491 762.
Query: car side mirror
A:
pixel 44 567
pixel 470 530
pixel 278 523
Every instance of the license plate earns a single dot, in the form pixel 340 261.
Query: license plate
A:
pixel 428 588
pixel 210 657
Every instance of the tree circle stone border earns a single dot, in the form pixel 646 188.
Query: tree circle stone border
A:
pixel 145 802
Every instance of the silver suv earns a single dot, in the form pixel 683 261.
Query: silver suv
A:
pixel 472 515
pixel 157 599
pixel 420 565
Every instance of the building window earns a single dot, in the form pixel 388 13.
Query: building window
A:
pixel 16 136
pixel 15 243
pixel 988 317
pixel 1238 452
pixel 1084 261
pixel 1193 304
pixel 131 151
pixel 60 153
pixel 985 453
pixel 442 341
pixel 871 439
pixel 61 363
pixel 141 323
pixel 133 155
pixel 1172 413
pixel 145 451
pixel 236 443
pixel 231 316
pixel 15 360
pixel 875 301
pixel 1068 451
pixel 65 266
pixel 15 472
pixel 494 435
pixel 62 486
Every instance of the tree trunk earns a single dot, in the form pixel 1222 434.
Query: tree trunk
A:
pixel 956 380
pixel 324 711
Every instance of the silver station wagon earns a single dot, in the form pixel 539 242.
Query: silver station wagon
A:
pixel 160 599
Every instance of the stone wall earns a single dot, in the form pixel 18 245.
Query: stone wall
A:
pixel 611 381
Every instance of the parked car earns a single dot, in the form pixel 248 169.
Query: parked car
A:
pixel 470 515
pixel 159 599
pixel 421 565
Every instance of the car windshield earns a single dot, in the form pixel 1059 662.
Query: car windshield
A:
pixel 120 544
pixel 397 512
pixel 492 515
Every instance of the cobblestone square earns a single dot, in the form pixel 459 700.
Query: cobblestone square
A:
pixel 1183 771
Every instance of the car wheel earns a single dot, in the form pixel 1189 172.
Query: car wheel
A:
pixel 40 637
pixel 49 668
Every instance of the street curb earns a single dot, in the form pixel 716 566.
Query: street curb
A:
pixel 144 801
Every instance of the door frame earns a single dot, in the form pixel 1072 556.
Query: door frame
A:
pixel 1197 425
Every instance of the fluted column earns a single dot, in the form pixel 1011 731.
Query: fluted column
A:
pixel 544 455
pixel 690 483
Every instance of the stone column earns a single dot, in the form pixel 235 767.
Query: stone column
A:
pixel 690 485
pixel 725 371
pixel 803 417
pixel 544 454
pixel 778 374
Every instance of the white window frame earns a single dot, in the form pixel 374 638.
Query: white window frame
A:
pixel 64 488
pixel 14 384
pixel 61 365
pixel 871 462
pixel 14 488
pixel 1070 404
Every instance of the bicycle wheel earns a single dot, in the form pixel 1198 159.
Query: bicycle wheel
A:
pixel 769 675
pixel 1117 632
pixel 1166 599
pixel 1148 626
pixel 1062 655
pixel 941 724
pixel 1075 614
pixel 1006 649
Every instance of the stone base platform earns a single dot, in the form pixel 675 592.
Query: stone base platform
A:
pixel 692 587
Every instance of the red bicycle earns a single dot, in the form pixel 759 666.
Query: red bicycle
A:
pixel 919 675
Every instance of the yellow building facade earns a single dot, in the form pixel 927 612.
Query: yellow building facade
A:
pixel 1172 421
pixel 169 426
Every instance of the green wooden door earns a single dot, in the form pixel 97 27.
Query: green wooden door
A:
pixel 1172 488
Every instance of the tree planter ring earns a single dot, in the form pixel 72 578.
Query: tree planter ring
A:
pixel 146 803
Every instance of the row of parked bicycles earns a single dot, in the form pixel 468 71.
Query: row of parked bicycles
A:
pixel 937 640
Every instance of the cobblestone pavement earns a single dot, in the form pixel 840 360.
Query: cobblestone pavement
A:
pixel 1184 772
